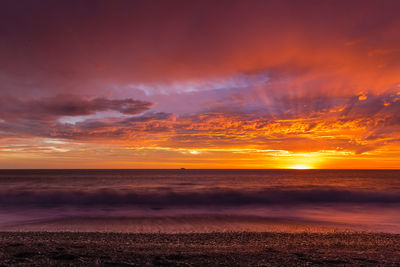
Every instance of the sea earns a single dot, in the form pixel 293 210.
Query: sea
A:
pixel 197 201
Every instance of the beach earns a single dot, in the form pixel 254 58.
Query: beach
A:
pixel 200 133
pixel 199 249
pixel 199 218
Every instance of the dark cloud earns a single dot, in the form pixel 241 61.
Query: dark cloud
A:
pixel 66 105
pixel 148 116
pixel 129 123
pixel 41 117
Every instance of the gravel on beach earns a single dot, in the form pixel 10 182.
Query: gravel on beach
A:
pixel 197 249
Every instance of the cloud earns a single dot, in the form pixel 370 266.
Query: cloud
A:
pixel 66 105
pixel 42 117
pixel 69 46
pixel 292 123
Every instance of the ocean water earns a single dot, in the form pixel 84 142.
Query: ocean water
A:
pixel 200 200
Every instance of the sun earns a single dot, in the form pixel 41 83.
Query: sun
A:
pixel 300 167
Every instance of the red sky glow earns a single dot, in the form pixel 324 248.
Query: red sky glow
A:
pixel 199 84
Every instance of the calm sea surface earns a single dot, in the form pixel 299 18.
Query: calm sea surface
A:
pixel 199 200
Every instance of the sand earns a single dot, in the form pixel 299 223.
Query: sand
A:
pixel 223 249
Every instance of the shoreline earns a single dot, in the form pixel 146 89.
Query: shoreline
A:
pixel 198 249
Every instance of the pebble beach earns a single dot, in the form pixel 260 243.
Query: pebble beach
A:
pixel 197 249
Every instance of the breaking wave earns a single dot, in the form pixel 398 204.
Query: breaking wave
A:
pixel 181 199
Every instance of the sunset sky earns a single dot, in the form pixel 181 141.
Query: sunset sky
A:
pixel 200 84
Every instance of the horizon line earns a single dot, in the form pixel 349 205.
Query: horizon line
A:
pixel 183 169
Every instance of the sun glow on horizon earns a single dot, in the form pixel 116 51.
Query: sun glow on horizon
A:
pixel 300 167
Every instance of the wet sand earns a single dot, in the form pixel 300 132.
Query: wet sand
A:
pixel 223 249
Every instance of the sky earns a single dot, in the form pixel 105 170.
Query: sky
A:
pixel 200 84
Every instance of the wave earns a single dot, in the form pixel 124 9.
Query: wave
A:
pixel 209 198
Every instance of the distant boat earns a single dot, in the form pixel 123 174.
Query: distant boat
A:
pixel 183 169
